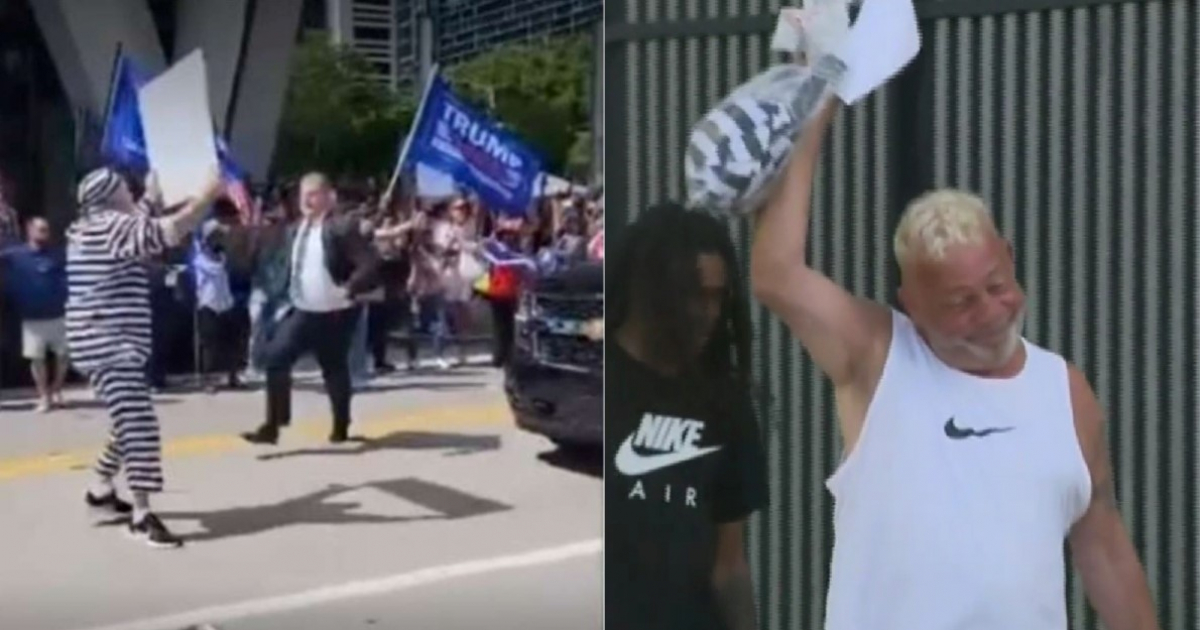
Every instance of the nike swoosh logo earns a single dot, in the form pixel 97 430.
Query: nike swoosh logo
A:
pixel 958 433
pixel 630 462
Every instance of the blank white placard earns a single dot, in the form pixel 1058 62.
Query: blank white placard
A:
pixel 434 184
pixel 179 128
pixel 883 40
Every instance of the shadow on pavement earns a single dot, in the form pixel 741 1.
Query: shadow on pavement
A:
pixel 585 460
pixel 377 387
pixel 455 444
pixel 29 404
pixel 453 372
pixel 197 388
pixel 322 508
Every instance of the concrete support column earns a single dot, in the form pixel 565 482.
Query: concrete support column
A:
pixel 83 36
pixel 262 85
pixel 216 28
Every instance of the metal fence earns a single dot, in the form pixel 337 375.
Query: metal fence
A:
pixel 1076 119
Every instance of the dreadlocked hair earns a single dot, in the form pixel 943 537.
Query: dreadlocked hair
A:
pixel 653 277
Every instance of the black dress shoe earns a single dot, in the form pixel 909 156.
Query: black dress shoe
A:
pixel 263 435
pixel 339 436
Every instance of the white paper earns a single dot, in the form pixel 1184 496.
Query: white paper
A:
pixel 547 185
pixel 179 128
pixel 789 36
pixel 883 40
pixel 434 184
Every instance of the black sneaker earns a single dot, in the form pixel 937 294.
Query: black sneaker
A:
pixel 110 504
pixel 151 531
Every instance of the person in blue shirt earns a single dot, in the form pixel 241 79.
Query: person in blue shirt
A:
pixel 36 284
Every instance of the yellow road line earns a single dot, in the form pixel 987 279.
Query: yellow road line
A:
pixel 310 431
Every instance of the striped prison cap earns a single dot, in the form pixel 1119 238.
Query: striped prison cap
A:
pixel 735 152
pixel 98 187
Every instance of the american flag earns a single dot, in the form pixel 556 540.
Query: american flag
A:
pixel 596 246
pixel 248 212
pixel 235 184
pixel 497 254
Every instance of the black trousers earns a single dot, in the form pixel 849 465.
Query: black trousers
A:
pixel 382 319
pixel 220 341
pixel 168 322
pixel 326 335
pixel 503 330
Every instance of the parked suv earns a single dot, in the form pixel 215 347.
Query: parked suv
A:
pixel 555 378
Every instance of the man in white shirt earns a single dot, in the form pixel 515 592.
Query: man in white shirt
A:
pixel 331 263
pixel 215 317
pixel 971 454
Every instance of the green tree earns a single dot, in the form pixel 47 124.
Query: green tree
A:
pixel 337 117
pixel 539 90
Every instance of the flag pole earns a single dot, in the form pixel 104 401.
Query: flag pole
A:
pixel 197 368
pixel 433 74
pixel 115 76
pixel 197 347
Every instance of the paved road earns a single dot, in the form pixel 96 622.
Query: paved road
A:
pixel 443 516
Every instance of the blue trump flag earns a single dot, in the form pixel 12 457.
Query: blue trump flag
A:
pixel 453 138
pixel 124 142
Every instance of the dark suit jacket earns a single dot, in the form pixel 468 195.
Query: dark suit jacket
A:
pixel 350 257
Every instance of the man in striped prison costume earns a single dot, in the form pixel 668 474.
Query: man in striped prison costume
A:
pixel 108 330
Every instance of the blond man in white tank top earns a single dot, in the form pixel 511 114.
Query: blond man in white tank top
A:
pixel 970 453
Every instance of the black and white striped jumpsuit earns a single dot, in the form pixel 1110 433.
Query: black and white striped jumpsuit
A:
pixel 109 335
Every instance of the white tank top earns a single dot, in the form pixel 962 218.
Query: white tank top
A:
pixel 951 510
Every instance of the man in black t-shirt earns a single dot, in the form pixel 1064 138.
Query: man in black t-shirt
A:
pixel 684 465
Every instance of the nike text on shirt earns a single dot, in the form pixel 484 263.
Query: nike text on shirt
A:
pixel 672 440
pixel 661 442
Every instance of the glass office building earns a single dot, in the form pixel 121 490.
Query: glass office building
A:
pixel 468 27
pixel 387 32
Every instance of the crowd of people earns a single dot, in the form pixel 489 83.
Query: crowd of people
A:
pixel 316 267
pixel 215 299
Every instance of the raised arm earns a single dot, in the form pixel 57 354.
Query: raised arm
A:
pixel 846 336
pixel 398 230
pixel 136 234
pixel 151 202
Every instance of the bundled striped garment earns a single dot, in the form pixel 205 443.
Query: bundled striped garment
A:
pixel 108 288
pixel 736 151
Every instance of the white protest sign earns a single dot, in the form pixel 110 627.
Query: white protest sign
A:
pixel 179 128
pixel 883 40
pixel 434 184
